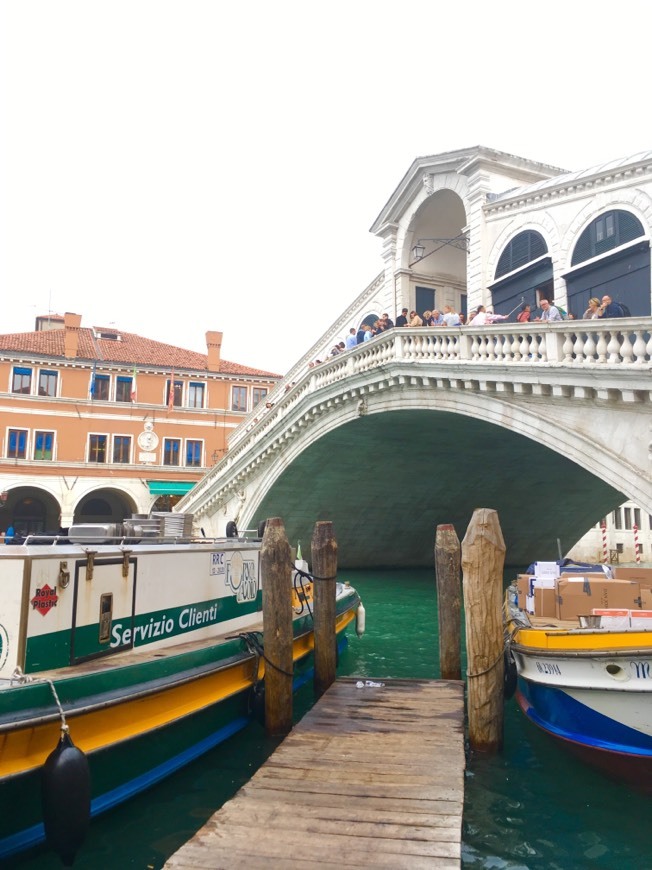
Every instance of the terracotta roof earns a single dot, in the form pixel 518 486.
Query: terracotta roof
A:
pixel 130 349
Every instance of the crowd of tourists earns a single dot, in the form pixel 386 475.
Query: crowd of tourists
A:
pixel 480 316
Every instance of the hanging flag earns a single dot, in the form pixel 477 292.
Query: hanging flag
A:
pixel 91 390
pixel 171 393
pixel 133 386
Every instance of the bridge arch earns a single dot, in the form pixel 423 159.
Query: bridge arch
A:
pixel 568 438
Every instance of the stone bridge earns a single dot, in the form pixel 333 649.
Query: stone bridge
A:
pixel 548 423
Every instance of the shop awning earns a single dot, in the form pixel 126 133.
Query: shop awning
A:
pixel 169 487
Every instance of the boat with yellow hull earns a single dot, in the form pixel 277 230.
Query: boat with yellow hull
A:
pixel 587 682
pixel 149 654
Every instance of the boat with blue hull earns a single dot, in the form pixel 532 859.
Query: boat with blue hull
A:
pixel 145 652
pixel 585 677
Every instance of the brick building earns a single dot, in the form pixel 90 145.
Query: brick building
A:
pixel 97 424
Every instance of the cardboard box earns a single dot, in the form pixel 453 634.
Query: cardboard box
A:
pixel 523 590
pixel 618 620
pixel 641 619
pixel 646 597
pixel 546 569
pixel 643 575
pixel 579 594
pixel 545 601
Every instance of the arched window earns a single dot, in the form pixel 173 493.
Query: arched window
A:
pixel 523 248
pixel 610 230
pixel 96 507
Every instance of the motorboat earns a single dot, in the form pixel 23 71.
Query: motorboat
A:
pixel 125 655
pixel 579 650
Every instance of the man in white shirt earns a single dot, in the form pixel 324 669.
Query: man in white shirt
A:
pixel 548 311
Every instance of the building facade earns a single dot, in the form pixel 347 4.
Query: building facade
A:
pixel 99 424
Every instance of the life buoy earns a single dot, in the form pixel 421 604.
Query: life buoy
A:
pixel 66 799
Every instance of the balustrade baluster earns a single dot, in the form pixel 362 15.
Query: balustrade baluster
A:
pixel 567 349
pixel 589 348
pixel 475 348
pixel 512 348
pixel 613 348
pixel 626 349
pixel 491 347
pixel 578 349
pixel 602 348
pixel 639 348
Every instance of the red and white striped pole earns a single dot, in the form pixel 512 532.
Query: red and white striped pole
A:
pixel 605 551
pixel 637 549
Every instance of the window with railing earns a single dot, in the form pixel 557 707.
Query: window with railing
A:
pixel 97 448
pixel 238 398
pixel 47 383
pixel 101 388
pixel 22 380
pixel 196 395
pixel 123 388
pixel 173 393
pixel 122 448
pixel 193 453
pixel 171 451
pixel 17 443
pixel 43 445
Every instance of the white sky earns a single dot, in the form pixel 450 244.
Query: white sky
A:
pixel 174 167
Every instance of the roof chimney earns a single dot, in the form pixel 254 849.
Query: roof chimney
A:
pixel 214 346
pixel 71 323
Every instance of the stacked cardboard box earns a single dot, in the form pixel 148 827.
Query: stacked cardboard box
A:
pixel 571 595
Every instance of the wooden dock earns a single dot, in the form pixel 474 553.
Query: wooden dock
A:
pixel 372 776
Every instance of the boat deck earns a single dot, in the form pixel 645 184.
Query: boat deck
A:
pixel 372 776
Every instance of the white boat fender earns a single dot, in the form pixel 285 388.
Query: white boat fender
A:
pixel 66 798
pixel 511 674
pixel 360 620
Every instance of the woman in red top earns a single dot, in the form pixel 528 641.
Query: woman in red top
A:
pixel 524 314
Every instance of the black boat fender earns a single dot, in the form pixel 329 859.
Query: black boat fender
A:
pixel 257 702
pixel 66 798
pixel 511 674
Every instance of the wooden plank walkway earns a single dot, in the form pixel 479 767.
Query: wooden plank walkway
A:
pixel 370 777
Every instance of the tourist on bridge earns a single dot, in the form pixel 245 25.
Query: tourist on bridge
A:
pixel 609 308
pixel 351 339
pixel 402 320
pixel 450 316
pixel 386 322
pixel 415 320
pixel 548 311
pixel 593 311
pixel 524 314
pixel 436 319
pixel 483 317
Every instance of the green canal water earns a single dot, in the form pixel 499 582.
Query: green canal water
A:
pixel 530 807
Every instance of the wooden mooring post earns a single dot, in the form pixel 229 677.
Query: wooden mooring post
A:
pixel 324 570
pixel 276 572
pixel 483 558
pixel 449 601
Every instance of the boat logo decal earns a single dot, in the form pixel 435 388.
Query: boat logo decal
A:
pixel 241 577
pixel 4 646
pixel 44 600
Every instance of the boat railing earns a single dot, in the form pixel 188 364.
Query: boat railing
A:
pixel 244 536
